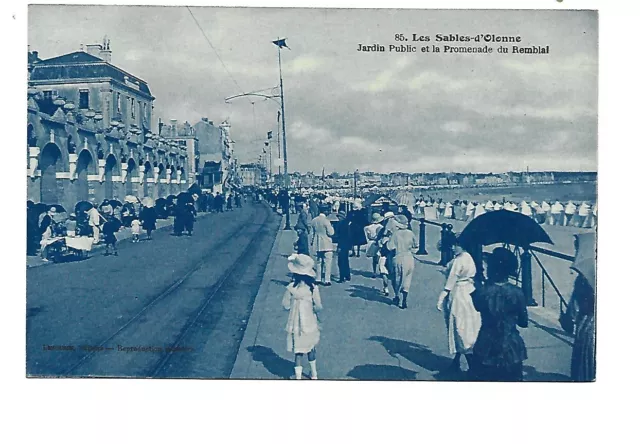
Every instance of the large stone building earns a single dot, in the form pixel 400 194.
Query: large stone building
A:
pixel 214 155
pixel 252 175
pixel 89 133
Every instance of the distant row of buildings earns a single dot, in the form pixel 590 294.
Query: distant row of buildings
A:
pixel 371 179
pixel 91 135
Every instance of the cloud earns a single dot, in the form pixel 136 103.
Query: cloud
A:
pixel 456 127
pixel 347 110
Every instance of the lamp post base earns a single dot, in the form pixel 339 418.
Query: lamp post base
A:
pixel 422 249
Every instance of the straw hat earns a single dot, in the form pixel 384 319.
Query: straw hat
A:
pixel 402 221
pixel 388 215
pixel 376 218
pixel 301 264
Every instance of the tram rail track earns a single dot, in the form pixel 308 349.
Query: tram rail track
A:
pixel 207 258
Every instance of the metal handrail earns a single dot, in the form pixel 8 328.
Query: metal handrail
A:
pixel 552 253
pixel 546 274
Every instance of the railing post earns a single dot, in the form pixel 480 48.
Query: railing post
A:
pixel 527 283
pixel 445 248
pixel 422 248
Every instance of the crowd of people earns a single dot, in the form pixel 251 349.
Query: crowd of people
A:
pixel 583 214
pixel 482 315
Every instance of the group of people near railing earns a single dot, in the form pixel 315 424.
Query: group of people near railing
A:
pixel 482 316
pixel 583 215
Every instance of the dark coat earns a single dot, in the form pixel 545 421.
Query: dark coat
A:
pixel 358 220
pixel 342 235
pixel 149 217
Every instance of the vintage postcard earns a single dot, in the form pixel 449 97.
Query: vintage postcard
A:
pixel 333 194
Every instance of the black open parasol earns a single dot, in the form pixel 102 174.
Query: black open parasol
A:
pixel 506 227
pixel 115 203
pixel 184 198
pixel 83 206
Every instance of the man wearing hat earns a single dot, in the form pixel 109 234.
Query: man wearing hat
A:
pixel 94 222
pixel 321 239
pixel 343 239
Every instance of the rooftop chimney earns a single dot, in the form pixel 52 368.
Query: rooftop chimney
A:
pixel 93 49
pixel 105 50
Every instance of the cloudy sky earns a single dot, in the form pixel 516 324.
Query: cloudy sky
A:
pixel 350 110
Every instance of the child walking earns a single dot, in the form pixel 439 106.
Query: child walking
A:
pixel 135 230
pixel 301 245
pixel 302 299
pixel 109 229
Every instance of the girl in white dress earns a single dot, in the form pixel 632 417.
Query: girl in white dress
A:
pixel 462 319
pixel 302 299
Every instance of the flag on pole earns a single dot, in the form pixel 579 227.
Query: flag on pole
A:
pixel 281 43
pixel 270 135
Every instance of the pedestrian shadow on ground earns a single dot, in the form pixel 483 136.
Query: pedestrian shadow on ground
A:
pixel 421 356
pixel 277 366
pixel 366 274
pixel 555 332
pixel 428 262
pixel 369 294
pixel 375 372
pixel 531 374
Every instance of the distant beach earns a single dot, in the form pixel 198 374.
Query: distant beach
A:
pixel 563 192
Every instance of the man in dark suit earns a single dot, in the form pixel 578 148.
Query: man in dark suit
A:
pixel 343 239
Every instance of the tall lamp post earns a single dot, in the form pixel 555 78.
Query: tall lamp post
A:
pixel 281 43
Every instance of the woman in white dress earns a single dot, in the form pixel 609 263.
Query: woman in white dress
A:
pixel 371 231
pixel 302 299
pixel 462 320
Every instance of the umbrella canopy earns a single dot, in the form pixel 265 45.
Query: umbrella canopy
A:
pixel 171 197
pixel 585 261
pixel 161 201
pixel 59 208
pixel 115 203
pixel 131 199
pixel 40 208
pixel 60 216
pixel 184 198
pixel 405 198
pixel 82 206
pixel 148 202
pixel 195 189
pixel 503 226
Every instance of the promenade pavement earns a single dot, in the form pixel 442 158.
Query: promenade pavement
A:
pixel 365 337
pixel 123 234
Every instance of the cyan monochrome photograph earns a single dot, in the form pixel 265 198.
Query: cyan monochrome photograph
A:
pixel 311 194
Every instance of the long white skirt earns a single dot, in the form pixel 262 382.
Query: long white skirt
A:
pixel 462 319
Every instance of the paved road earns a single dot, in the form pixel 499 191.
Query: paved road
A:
pixel 171 307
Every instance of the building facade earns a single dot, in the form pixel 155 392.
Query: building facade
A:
pixel 214 155
pixel 252 175
pixel 89 133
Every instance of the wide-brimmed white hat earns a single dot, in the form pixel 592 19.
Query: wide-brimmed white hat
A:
pixel 376 218
pixel 402 221
pixel 302 264
pixel 388 215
